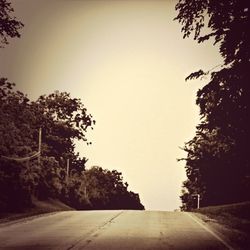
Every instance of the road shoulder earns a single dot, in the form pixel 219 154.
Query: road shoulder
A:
pixel 235 238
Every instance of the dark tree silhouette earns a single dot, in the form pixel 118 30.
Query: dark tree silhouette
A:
pixel 219 152
pixel 63 119
pixel 9 26
pixel 106 190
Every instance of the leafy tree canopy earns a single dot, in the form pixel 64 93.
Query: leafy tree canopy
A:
pixel 9 26
pixel 219 151
pixel 225 21
pixel 106 190
pixel 19 126
pixel 62 119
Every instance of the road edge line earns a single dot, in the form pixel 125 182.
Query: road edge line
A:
pixel 193 217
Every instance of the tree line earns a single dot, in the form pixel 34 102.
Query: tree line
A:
pixel 29 170
pixel 63 120
pixel 217 162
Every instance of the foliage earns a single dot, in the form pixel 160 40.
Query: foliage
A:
pixel 19 125
pixel 218 153
pixel 62 119
pixel 9 26
pixel 235 217
pixel 105 190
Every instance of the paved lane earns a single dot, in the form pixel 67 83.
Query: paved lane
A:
pixel 111 230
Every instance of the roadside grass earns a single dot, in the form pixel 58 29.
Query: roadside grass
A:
pixel 38 208
pixel 235 217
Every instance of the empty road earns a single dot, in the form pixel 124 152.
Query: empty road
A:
pixel 112 230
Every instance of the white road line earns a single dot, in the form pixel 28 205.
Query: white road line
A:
pixel 210 231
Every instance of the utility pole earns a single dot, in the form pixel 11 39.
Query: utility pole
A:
pixel 85 192
pixel 85 187
pixel 39 145
pixel 67 171
pixel 198 201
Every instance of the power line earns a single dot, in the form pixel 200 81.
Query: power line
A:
pixel 37 154
pixel 27 158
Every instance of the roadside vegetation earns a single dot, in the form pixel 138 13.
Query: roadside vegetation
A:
pixel 217 162
pixel 39 207
pixel 235 217
pixel 38 160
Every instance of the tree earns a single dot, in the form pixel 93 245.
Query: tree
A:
pixel 62 119
pixel 17 140
pixel 207 170
pixel 223 102
pixel 106 190
pixel 9 26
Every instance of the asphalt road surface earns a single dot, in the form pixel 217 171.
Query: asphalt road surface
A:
pixel 111 230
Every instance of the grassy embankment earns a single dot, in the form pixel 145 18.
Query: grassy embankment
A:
pixel 236 219
pixel 38 208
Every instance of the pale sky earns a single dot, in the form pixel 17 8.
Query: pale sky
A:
pixel 127 62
